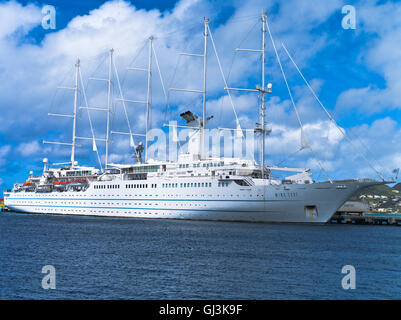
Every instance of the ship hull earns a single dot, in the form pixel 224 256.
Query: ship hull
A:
pixel 310 203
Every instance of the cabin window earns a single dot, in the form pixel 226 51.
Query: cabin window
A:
pixel 241 182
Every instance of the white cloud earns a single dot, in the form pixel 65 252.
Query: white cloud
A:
pixel 4 151
pixel 17 20
pixel 382 55
pixel 28 149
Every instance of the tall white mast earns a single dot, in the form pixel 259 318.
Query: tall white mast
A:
pixel 203 125
pixel 74 126
pixel 262 92
pixel 108 109
pixel 148 97
pixel 73 116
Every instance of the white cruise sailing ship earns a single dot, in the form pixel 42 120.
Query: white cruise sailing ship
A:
pixel 196 186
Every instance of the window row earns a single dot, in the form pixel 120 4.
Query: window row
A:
pixel 140 186
pixel 107 186
pixel 188 185
pixel 204 165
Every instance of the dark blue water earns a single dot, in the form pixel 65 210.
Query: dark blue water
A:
pixel 111 258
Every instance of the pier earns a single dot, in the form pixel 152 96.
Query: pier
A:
pixel 367 218
pixel 355 212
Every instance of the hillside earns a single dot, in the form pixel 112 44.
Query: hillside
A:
pixel 397 187
pixel 381 198
pixel 380 190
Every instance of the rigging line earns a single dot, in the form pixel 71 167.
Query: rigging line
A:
pixel 139 51
pixel 113 111
pixel 289 156
pixel 125 108
pixel 224 79
pixel 355 137
pixel 171 83
pixel 103 56
pixel 182 32
pixel 331 118
pixel 97 68
pixel 233 60
pixel 303 135
pixel 194 26
pixel 161 80
pixel 239 45
pixel 89 117
pixel 70 70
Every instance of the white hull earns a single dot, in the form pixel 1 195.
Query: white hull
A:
pixel 283 203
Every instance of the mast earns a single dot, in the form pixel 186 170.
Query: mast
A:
pixel 260 128
pixel 148 97
pixel 108 109
pixel 203 125
pixel 262 92
pixel 73 116
pixel 202 122
pixel 74 125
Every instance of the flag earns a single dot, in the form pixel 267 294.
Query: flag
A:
pixel 131 142
pixel 304 140
pixel 94 148
pixel 175 135
pixel 239 131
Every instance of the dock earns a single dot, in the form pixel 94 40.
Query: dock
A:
pixel 355 212
pixel 367 218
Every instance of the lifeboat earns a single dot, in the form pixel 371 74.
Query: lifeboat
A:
pixel 61 182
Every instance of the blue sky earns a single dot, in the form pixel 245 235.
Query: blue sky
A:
pixel 355 72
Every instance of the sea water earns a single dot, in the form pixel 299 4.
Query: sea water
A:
pixel 128 258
